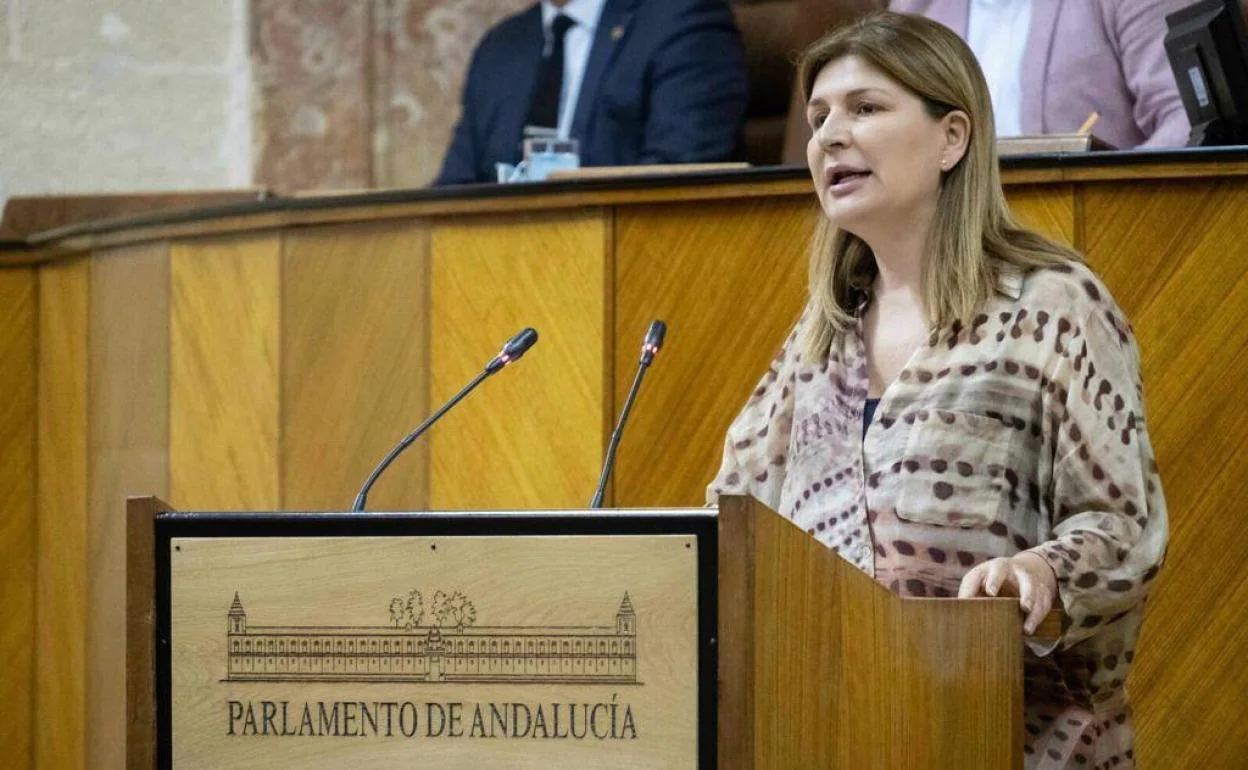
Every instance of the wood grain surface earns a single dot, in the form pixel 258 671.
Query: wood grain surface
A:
pixel 1049 210
pixel 362 207
pixel 355 360
pixel 128 441
pixel 18 350
pixel 822 667
pixel 517 593
pixel 26 215
pixel 139 740
pixel 1173 255
pixel 224 389
pixel 535 439
pixel 729 288
pixel 62 554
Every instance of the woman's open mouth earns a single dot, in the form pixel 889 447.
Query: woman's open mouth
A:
pixel 842 181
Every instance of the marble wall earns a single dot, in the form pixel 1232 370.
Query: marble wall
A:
pixel 106 95
pixel 121 95
pixel 353 94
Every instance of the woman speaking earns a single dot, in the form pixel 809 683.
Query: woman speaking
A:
pixel 959 412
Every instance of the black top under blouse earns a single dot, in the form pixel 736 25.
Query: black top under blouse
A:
pixel 868 412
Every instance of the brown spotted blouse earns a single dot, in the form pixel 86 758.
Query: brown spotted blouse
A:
pixel 1022 430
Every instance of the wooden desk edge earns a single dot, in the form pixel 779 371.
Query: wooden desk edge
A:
pixel 773 182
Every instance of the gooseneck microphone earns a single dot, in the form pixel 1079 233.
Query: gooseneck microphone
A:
pixel 651 346
pixel 515 347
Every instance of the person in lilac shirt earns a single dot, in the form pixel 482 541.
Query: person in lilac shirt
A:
pixel 1051 64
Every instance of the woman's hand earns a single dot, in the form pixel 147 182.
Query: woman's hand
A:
pixel 1025 575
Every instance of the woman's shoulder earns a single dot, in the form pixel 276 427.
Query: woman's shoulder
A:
pixel 1074 294
pixel 1069 287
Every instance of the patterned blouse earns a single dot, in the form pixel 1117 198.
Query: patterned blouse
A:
pixel 1023 430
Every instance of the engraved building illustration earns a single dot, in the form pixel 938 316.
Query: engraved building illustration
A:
pixel 517 654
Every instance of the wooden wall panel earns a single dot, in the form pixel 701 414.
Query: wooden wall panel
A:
pixel 276 346
pixel 534 436
pixel 1047 209
pixel 729 290
pixel 128 443
pixel 61 594
pixel 355 364
pixel 1172 253
pixel 224 362
pixel 1141 234
pixel 18 346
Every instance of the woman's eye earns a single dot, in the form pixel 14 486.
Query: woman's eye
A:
pixel 817 120
pixel 865 109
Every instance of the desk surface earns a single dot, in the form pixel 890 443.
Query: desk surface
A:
pixel 368 205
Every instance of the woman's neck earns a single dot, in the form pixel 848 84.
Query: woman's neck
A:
pixel 900 250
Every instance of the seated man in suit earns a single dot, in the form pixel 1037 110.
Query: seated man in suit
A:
pixel 1051 63
pixel 634 81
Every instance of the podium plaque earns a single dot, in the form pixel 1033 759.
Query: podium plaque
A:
pixel 478 640
pixel 626 639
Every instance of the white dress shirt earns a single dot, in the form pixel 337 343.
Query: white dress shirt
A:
pixel 576 47
pixel 997 32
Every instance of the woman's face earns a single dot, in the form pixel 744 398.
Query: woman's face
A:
pixel 875 154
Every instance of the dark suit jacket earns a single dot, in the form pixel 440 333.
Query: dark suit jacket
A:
pixel 665 83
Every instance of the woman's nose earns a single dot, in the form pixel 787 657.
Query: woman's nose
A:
pixel 831 134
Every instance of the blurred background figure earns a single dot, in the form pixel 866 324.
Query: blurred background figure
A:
pixel 1050 64
pixel 344 95
pixel 633 81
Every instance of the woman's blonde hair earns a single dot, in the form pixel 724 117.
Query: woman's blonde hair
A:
pixel 973 234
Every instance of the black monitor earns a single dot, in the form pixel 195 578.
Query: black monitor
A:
pixel 1208 52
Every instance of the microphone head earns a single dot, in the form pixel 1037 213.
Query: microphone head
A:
pixel 513 349
pixel 520 344
pixel 654 341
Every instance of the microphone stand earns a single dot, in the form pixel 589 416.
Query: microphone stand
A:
pixel 362 498
pixel 616 435
pixel 516 347
pixel 653 343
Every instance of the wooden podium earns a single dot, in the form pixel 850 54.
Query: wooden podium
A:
pixel 687 638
